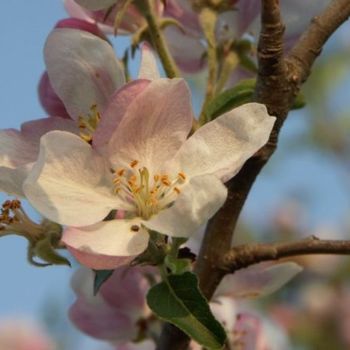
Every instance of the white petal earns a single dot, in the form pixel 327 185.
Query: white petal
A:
pixel 11 180
pixel 91 71
pixel 107 244
pixel 96 4
pixel 148 66
pixel 197 203
pixel 154 126
pixel 257 280
pixel 222 146
pixel 70 182
pixel 15 149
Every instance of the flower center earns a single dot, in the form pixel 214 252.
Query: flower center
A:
pixel 89 123
pixel 147 193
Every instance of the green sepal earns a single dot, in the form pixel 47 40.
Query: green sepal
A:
pixel 179 301
pixel 101 276
pixel 177 266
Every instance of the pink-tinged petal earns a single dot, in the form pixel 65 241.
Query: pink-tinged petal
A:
pixel 70 183
pixel 249 333
pixel 144 345
pixel 197 203
pixel 15 149
pixel 115 111
pixel 102 321
pixel 188 51
pixel 222 146
pixel 19 149
pixel 34 129
pixel 126 290
pixel 148 67
pixel 49 100
pixel 154 126
pixel 76 11
pixel 91 71
pixel 257 280
pixel 108 244
pixel 182 11
pixel 11 180
pixel 96 4
pixel 77 23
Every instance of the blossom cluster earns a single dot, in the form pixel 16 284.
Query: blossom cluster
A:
pixel 121 164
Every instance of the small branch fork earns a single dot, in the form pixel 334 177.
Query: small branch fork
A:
pixel 279 80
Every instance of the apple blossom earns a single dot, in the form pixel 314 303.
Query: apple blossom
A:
pixel 150 170
pixel 118 312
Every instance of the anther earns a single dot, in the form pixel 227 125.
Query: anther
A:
pixel 135 228
pixel 134 163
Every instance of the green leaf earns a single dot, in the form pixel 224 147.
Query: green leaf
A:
pixel 238 95
pixel 179 301
pixel 231 98
pixel 101 276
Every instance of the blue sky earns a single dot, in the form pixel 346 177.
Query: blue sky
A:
pixel 25 289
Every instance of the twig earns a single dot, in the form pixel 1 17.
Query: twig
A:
pixel 158 39
pixel 245 255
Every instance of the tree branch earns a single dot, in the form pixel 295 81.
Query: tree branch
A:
pixel 308 48
pixel 278 82
pixel 245 255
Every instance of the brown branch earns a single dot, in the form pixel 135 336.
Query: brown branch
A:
pixel 245 255
pixel 278 82
pixel 308 48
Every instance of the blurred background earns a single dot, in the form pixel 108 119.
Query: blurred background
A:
pixel 304 190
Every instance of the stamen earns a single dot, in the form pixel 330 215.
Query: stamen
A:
pixel 146 194
pixel 134 163
pixel 88 124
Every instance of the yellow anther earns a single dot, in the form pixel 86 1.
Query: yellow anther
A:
pixel 134 163
pixel 176 189
pixel 166 182
pixel 121 172
pixel 182 175
pixel 156 178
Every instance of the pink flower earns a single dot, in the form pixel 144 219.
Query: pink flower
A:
pixel 118 311
pixel 23 335
pixel 141 162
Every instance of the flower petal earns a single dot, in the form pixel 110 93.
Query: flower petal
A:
pixel 222 146
pixel 154 126
pixel 49 100
pixel 70 182
pixel 102 321
pixel 34 129
pixel 96 4
pixel 115 111
pixel 148 67
pixel 91 71
pixel 11 180
pixel 257 280
pixel 108 244
pixel 188 51
pixel 197 203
